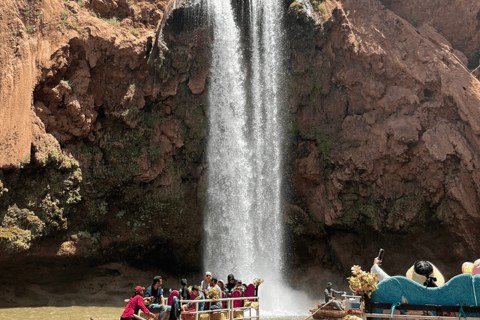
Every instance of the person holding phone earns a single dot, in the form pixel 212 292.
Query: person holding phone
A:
pixel 377 262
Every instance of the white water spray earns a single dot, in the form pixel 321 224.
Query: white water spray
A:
pixel 244 219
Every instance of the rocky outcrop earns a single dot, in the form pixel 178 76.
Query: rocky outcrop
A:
pixel 106 157
pixel 386 128
pixel 460 27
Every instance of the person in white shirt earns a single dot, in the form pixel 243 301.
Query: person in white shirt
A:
pixel 218 304
pixel 206 283
pixel 377 269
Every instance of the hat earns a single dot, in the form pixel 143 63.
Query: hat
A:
pixel 138 289
pixel 329 284
pixel 208 273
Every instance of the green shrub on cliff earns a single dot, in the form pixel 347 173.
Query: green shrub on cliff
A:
pixel 15 239
pixel 408 213
pixel 112 21
pixel 18 228
pixel 2 188
pixel 47 187
pixel 319 6
pixel 297 9
pixel 324 143
pixel 359 212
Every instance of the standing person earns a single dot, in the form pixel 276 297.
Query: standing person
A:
pixel 230 284
pixel 329 296
pixel 214 285
pixel 155 293
pixel 184 293
pixel 134 304
pixel 206 283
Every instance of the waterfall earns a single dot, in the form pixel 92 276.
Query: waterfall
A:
pixel 243 219
pixel 229 196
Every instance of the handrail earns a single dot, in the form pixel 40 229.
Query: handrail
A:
pixel 222 299
pixel 208 300
pixel 230 309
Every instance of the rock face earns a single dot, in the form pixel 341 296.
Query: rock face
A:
pixel 103 142
pixel 102 139
pixel 385 140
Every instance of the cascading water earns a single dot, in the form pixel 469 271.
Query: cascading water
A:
pixel 243 219
pixel 229 198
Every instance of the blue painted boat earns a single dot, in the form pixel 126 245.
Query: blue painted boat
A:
pixel 461 294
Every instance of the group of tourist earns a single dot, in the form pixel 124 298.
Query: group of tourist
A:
pixel 232 284
pixel 149 300
pixel 152 302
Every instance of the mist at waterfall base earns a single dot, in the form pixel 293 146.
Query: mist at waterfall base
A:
pixel 243 222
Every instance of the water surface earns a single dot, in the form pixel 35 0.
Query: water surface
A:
pixel 77 313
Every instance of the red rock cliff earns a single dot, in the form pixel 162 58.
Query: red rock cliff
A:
pixel 102 144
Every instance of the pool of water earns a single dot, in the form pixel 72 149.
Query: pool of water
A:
pixel 80 313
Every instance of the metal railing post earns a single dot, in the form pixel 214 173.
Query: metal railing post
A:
pixel 196 311
pixel 250 309
pixel 258 311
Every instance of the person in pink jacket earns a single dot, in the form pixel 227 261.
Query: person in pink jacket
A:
pixel 134 304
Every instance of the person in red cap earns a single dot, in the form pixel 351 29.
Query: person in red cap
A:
pixel 134 304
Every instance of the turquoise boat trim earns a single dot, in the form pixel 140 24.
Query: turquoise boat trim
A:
pixel 462 313
pixel 392 309
pixel 458 289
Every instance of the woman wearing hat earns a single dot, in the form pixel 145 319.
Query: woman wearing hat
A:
pixel 134 304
